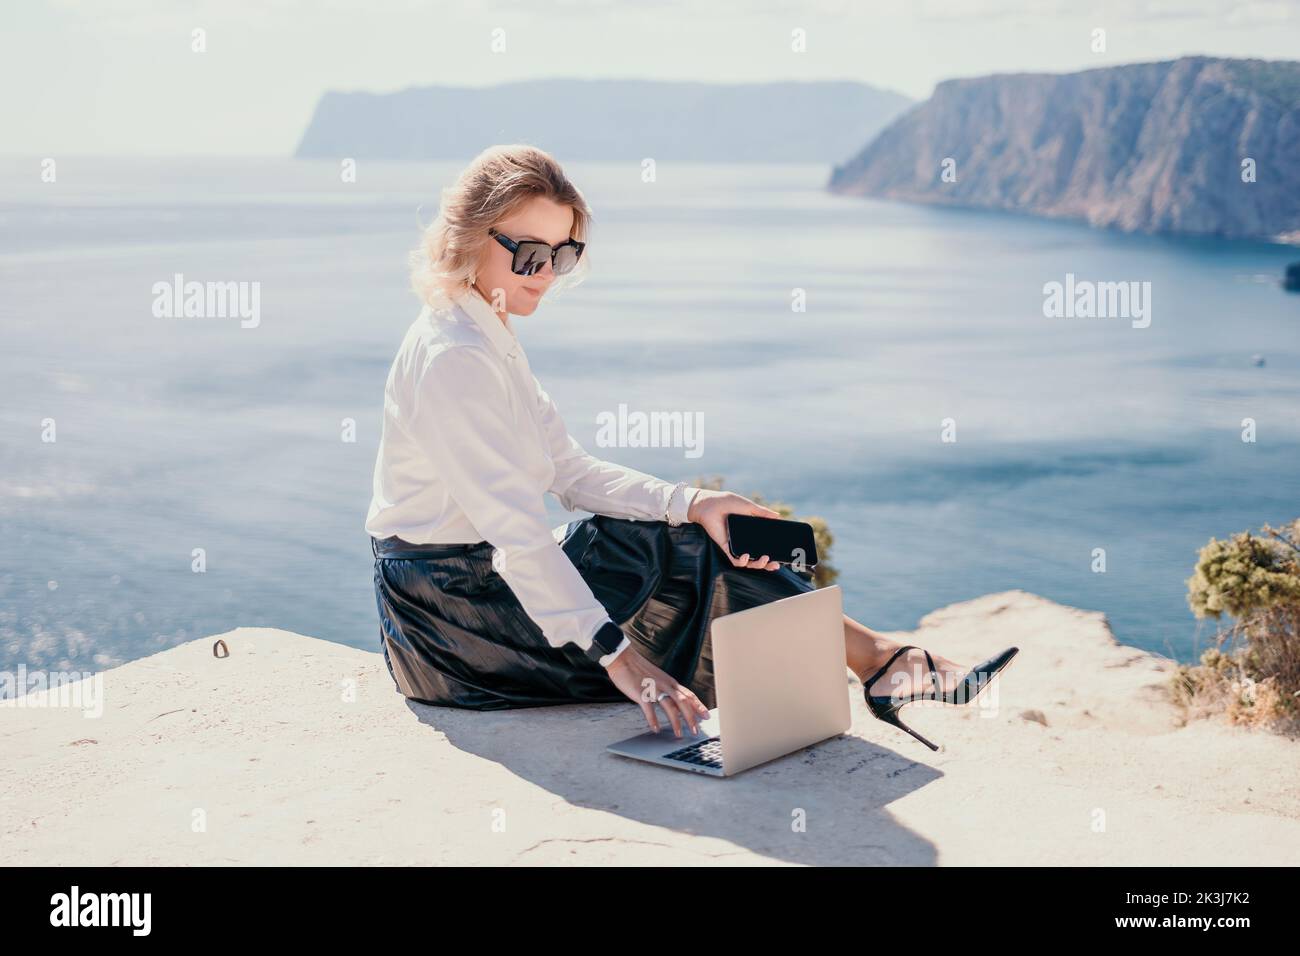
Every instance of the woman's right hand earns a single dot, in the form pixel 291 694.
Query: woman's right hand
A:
pixel 642 683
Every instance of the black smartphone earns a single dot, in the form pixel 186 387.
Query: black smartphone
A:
pixel 789 542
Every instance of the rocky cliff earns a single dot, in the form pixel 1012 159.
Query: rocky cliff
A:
pixel 1150 147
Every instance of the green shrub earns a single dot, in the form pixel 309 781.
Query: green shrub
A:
pixel 1252 675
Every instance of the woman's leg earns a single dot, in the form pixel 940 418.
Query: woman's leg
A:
pixel 866 652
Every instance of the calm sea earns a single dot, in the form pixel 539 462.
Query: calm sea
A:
pixel 178 434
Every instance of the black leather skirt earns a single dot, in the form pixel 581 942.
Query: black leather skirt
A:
pixel 455 635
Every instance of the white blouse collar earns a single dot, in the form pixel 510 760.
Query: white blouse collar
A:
pixel 499 333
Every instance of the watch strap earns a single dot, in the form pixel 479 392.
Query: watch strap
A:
pixel 606 640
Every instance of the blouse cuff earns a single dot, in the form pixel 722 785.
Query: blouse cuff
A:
pixel 681 505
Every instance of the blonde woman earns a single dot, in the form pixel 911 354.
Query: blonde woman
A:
pixel 482 603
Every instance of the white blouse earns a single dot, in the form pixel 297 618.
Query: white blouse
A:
pixel 471 443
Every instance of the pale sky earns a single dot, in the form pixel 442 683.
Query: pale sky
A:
pixel 119 76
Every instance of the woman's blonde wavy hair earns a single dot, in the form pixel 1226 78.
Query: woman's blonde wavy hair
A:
pixel 496 183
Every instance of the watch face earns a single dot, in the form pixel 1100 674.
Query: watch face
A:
pixel 608 637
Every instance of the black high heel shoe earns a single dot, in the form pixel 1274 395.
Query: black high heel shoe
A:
pixel 967 689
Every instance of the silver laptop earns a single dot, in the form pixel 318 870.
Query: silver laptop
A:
pixel 781 685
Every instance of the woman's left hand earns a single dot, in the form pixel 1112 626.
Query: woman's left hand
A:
pixel 709 509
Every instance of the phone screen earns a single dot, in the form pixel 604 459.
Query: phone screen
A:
pixel 790 542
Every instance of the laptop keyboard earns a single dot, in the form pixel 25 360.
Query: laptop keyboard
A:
pixel 706 753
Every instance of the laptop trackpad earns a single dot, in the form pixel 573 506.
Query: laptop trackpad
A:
pixel 664 741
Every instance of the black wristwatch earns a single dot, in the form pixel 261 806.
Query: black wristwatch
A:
pixel 605 641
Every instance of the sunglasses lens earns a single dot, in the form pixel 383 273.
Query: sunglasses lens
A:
pixel 566 257
pixel 530 257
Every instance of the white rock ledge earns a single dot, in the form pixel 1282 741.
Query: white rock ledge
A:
pixel 264 751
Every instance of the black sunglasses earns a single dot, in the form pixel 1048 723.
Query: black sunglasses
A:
pixel 531 255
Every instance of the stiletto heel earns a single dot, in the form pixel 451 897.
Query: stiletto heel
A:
pixel 891 717
pixel 967 689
